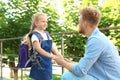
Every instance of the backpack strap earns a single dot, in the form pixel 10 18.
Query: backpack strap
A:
pixel 48 35
pixel 39 36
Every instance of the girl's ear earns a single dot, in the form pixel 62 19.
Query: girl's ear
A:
pixel 36 23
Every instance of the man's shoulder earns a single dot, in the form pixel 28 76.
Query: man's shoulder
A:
pixel 99 36
pixel 97 39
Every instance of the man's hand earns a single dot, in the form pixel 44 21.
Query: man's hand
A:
pixel 67 60
pixel 63 62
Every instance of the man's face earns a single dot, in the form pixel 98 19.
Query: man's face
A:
pixel 81 25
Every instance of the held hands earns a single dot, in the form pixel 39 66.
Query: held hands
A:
pixel 59 59
pixel 63 62
pixel 53 56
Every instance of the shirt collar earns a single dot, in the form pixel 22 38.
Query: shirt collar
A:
pixel 96 30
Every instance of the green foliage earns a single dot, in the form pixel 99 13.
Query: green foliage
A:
pixel 71 14
pixel 17 14
pixel 111 17
pixel 74 46
pixel 2 14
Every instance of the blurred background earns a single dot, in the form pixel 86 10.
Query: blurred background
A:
pixel 15 21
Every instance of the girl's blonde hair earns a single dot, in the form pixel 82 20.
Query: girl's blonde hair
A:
pixel 35 18
pixel 26 38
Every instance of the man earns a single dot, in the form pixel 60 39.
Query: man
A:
pixel 101 59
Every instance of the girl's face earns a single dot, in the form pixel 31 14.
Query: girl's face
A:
pixel 41 22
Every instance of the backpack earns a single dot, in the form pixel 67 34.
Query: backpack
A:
pixel 27 58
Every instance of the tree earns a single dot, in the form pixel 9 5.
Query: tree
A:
pixel 16 15
pixel 111 17
pixel 75 44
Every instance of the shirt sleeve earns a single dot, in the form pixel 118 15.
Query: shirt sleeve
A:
pixel 92 53
pixel 34 38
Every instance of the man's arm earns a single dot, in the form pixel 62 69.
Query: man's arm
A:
pixel 93 51
pixel 91 55
pixel 61 61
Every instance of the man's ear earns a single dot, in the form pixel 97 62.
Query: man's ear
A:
pixel 86 23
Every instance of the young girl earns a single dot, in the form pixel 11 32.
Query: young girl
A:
pixel 44 48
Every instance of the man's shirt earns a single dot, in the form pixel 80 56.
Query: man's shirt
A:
pixel 101 59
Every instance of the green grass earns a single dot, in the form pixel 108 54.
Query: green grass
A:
pixel 55 77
